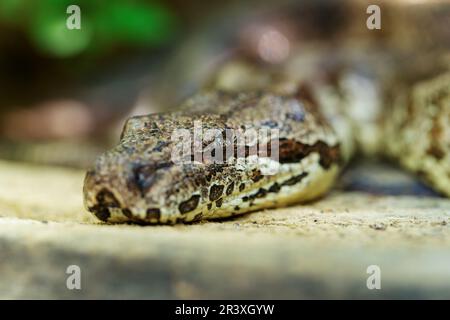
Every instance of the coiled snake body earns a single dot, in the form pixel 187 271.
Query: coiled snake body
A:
pixel 318 120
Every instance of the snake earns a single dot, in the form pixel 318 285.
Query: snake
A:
pixel 259 136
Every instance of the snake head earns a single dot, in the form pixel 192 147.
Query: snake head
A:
pixel 142 180
pixel 135 185
pixel 138 180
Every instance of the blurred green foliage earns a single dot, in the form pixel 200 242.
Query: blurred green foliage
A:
pixel 104 24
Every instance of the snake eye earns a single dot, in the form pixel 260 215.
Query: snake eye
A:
pixel 144 175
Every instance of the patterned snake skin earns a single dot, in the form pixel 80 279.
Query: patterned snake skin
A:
pixel 322 106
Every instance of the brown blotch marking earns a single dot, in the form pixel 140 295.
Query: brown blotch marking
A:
pixel 275 188
pixel 436 152
pixel 209 205
pixel 198 217
pixel 256 176
pixel 215 192
pixel 189 205
pixel 261 193
pixel 328 155
pixel 214 169
pixel 295 179
pixel 245 199
pixel 101 213
pixel 230 189
pixel 204 192
pixel 127 213
pixel 241 187
pixel 237 208
pixel 180 220
pixel 105 200
pixel 153 213
pixel 291 151
pixel 219 203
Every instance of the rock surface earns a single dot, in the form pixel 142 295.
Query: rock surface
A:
pixel 318 250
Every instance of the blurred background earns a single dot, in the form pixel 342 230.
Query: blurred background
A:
pixel 62 88
pixel 64 94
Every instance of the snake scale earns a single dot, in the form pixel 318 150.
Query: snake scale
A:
pixel 322 106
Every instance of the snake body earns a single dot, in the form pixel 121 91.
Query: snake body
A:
pixel 317 121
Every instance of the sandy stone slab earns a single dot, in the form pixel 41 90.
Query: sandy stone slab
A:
pixel 318 250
